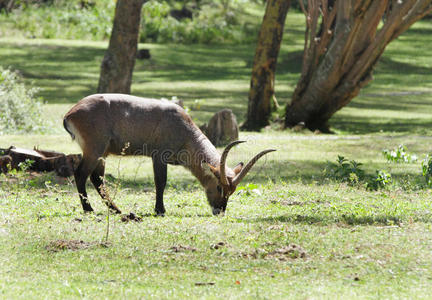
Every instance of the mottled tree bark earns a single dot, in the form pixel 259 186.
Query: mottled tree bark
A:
pixel 342 45
pixel 261 90
pixel 119 60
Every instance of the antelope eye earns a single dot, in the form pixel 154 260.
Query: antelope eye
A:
pixel 219 189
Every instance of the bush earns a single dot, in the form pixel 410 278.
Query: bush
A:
pixel 399 155
pixel 61 19
pixel 381 180
pixel 427 169
pixel 352 173
pixel 345 171
pixel 20 110
pixel 212 23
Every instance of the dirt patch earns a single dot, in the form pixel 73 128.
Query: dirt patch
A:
pixel 285 253
pixel 181 248
pixel 204 283
pixel 287 202
pixel 217 245
pixel 291 203
pixel 3 232
pixel 291 251
pixel 74 245
pixel 276 227
pixel 131 217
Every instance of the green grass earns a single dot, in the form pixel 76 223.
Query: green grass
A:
pixel 353 243
pixel 357 243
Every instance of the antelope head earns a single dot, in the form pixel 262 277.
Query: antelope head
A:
pixel 223 181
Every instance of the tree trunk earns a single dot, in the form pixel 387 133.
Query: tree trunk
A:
pixel 261 90
pixel 119 60
pixel 339 57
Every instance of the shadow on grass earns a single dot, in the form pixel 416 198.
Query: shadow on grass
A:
pixel 68 73
pixel 64 74
pixel 421 31
pixel 403 101
pixel 350 219
pixel 292 171
pixel 290 63
pixel 391 66
pixel 370 125
pixel 275 171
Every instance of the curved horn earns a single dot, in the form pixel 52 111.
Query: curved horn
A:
pixel 249 165
pixel 223 177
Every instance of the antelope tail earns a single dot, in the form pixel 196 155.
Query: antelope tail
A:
pixel 65 125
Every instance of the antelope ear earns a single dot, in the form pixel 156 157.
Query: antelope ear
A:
pixel 238 168
pixel 209 168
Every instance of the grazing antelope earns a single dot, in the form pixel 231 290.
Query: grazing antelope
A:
pixel 103 124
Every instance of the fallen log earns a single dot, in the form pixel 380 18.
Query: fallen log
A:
pixel 5 163
pixel 40 160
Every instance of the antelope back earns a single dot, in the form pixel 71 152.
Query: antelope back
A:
pixel 130 125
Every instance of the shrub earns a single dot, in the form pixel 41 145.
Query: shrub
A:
pixel 344 170
pixel 212 23
pixel 20 110
pixel 352 173
pixel 61 19
pixel 381 179
pixel 399 155
pixel 427 169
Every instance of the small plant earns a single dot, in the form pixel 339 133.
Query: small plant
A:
pixel 380 180
pixel 427 169
pixel 249 189
pixel 399 155
pixel 352 173
pixel 197 104
pixel 24 166
pixel 344 170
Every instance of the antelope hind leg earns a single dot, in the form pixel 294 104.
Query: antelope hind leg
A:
pixel 97 178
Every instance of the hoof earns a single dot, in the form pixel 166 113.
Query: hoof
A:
pixel 160 212
pixel 131 217
pixel 115 211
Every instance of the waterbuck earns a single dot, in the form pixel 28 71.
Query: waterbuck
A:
pixel 104 124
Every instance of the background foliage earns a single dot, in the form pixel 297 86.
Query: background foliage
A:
pixel 211 22
pixel 20 109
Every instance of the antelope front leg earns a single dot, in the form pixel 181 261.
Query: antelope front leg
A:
pixel 160 178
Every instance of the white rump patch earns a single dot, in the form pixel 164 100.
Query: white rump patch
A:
pixel 77 135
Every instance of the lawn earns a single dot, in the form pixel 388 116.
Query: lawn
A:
pixel 289 232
